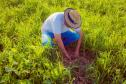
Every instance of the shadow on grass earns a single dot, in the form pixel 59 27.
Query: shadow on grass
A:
pixel 1 48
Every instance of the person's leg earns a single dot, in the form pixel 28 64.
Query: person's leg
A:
pixel 70 37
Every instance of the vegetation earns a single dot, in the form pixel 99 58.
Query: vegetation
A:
pixel 23 59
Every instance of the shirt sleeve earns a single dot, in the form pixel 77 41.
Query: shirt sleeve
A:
pixel 77 30
pixel 56 27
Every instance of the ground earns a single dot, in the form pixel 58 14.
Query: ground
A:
pixel 78 65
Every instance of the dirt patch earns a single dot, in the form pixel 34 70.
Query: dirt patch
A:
pixel 78 65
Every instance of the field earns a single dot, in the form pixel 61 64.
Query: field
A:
pixel 24 61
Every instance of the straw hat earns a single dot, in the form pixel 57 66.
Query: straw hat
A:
pixel 72 18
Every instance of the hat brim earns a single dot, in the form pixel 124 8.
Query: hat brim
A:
pixel 67 20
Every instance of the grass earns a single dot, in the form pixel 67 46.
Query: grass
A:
pixel 24 60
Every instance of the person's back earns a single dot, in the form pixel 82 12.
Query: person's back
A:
pixel 55 23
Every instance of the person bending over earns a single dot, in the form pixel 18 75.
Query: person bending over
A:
pixel 64 28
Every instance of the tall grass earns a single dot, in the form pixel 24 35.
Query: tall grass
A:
pixel 24 60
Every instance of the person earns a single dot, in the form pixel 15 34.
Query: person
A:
pixel 62 29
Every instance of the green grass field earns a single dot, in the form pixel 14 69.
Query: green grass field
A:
pixel 24 61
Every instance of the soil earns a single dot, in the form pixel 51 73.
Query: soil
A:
pixel 78 65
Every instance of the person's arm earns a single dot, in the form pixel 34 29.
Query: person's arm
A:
pixel 61 45
pixel 78 44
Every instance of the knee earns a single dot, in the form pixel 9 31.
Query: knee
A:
pixel 45 39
